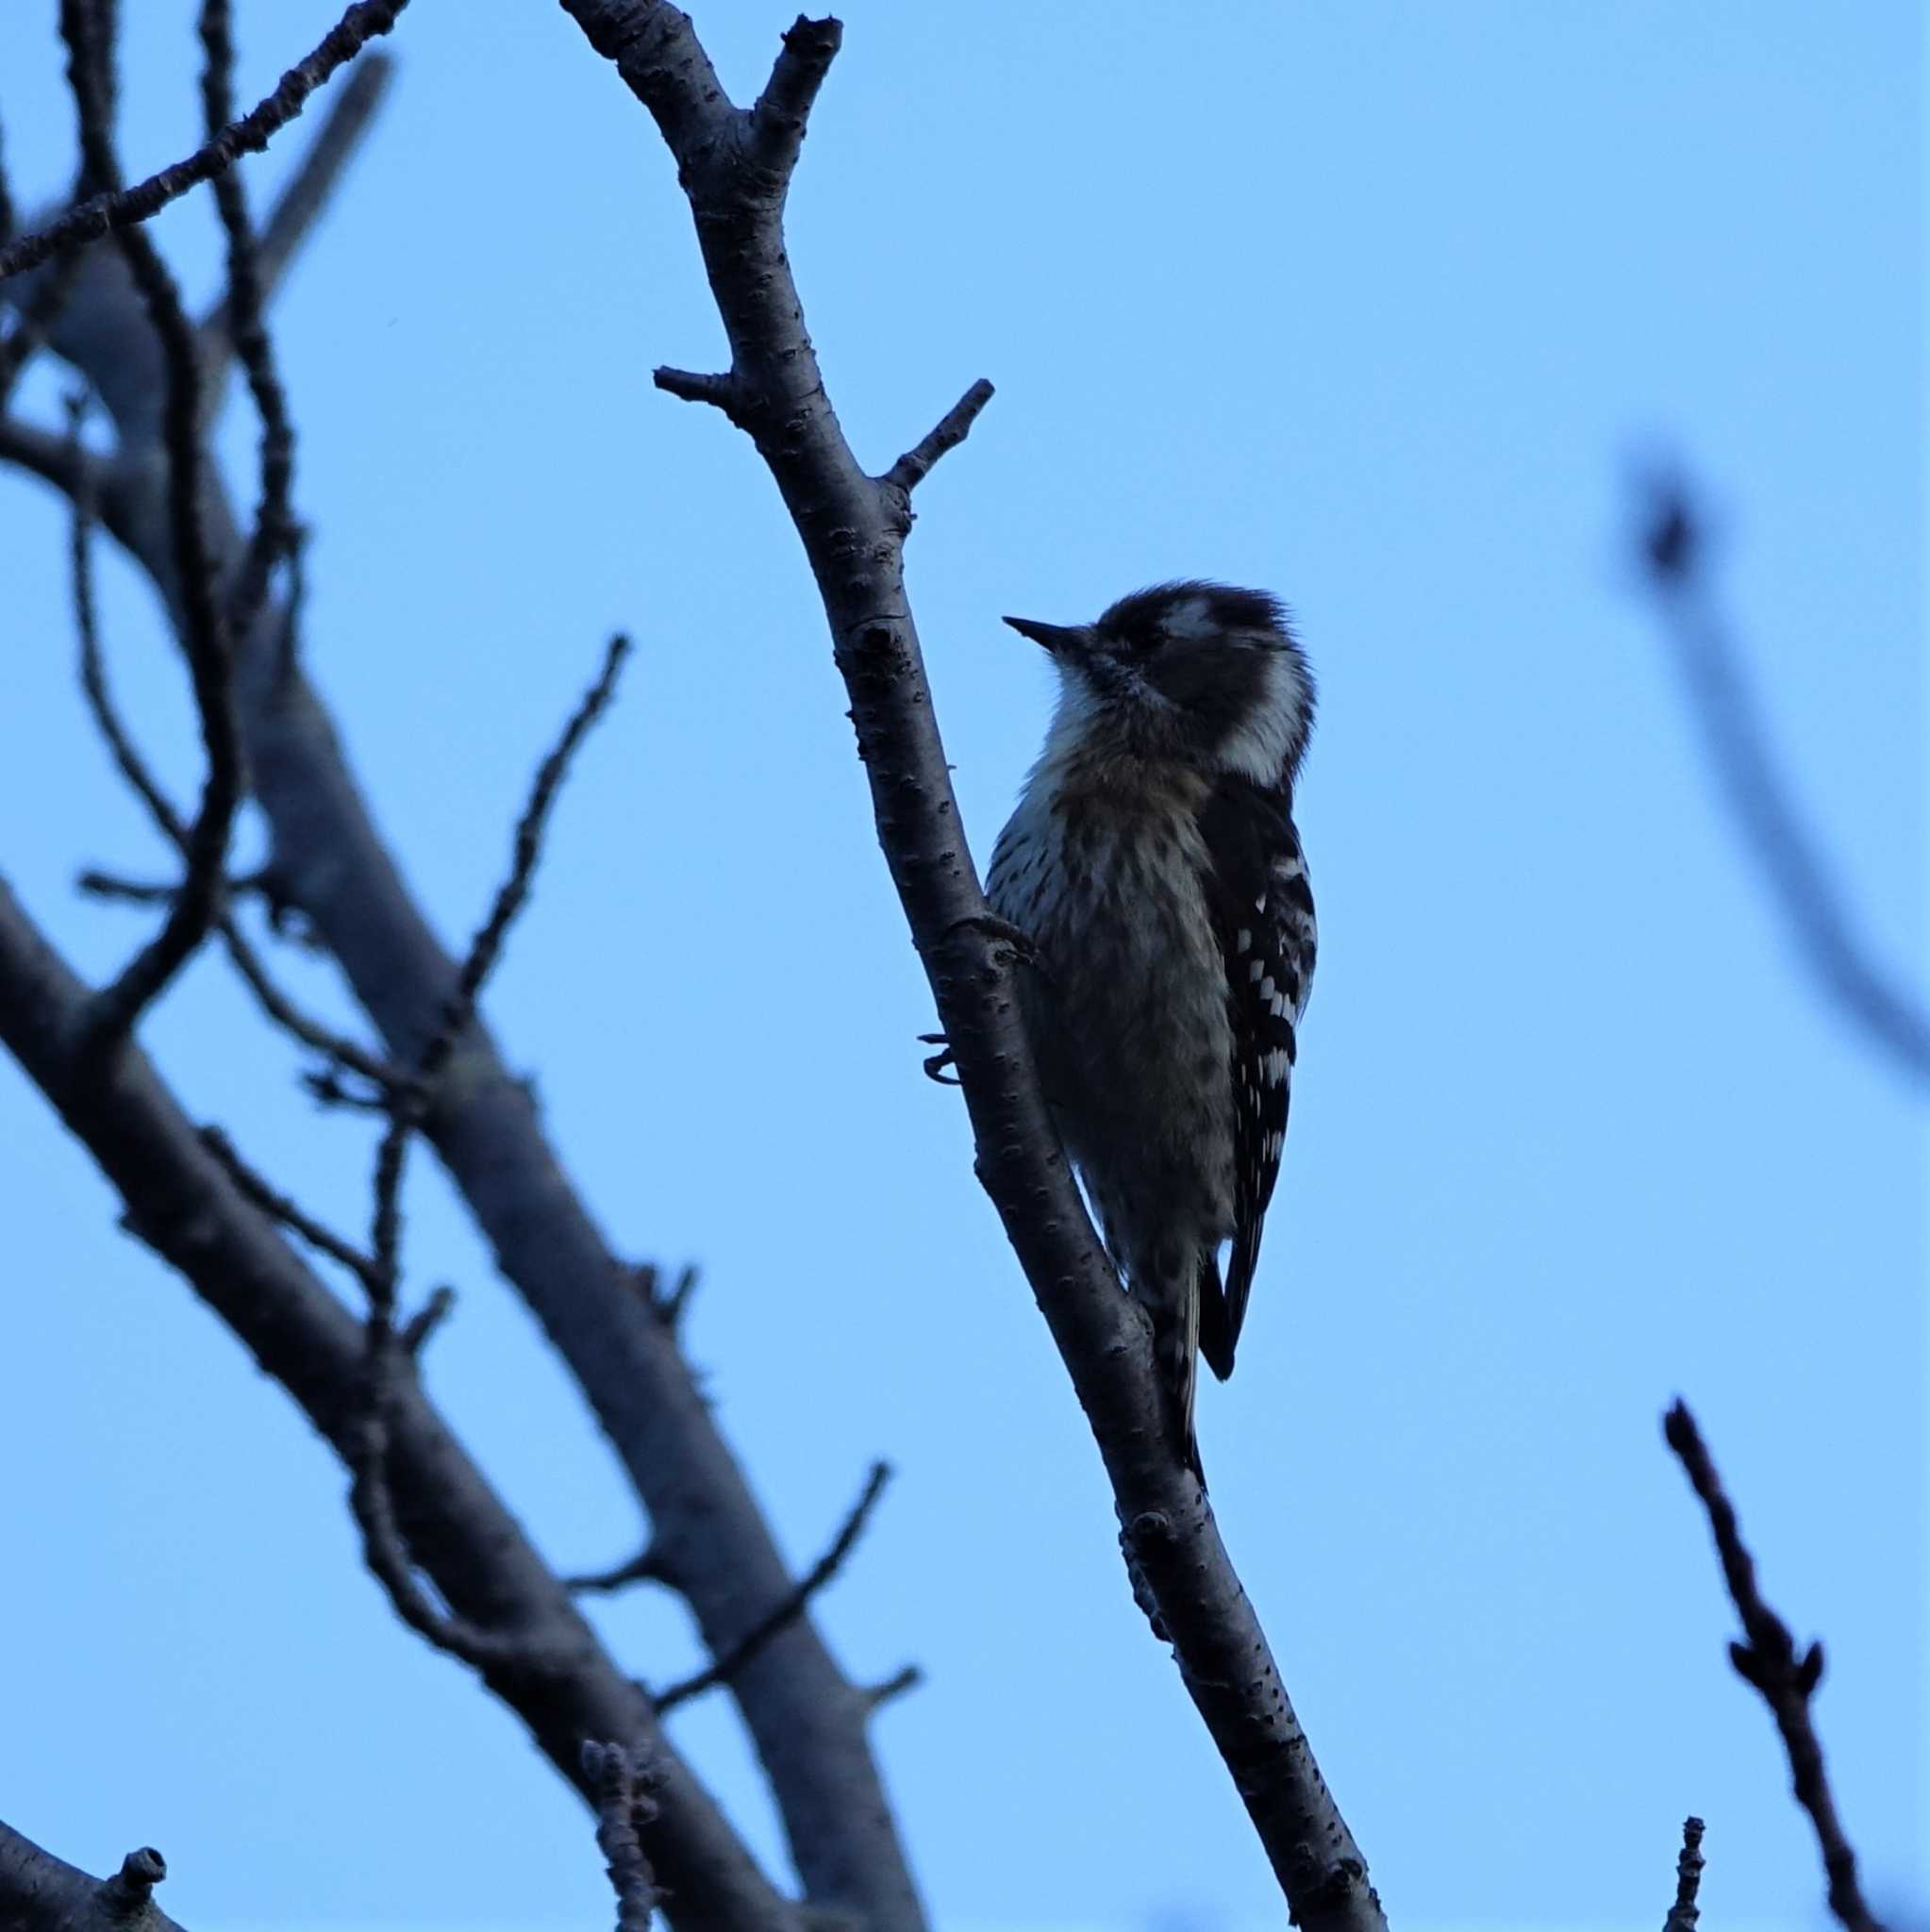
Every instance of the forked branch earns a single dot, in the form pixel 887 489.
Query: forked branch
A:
pixel 1766 1657
pixel 735 166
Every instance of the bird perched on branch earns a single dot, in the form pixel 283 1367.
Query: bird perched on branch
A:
pixel 1154 867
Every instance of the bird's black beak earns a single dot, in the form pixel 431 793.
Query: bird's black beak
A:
pixel 1061 639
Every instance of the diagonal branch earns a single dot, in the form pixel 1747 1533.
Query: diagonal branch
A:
pixel 852 527
pixel 1811 901
pixel 1767 1658
pixel 781 1616
pixel 116 210
pixel 180 1201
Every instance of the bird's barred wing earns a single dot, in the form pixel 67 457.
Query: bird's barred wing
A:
pixel 1263 912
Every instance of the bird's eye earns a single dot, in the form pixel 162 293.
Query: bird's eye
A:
pixel 1138 641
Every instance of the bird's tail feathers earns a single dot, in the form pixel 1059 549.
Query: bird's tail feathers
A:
pixel 1176 1348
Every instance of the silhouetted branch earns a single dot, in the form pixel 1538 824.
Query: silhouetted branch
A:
pixel 623 1805
pixel 183 1203
pixel 115 211
pixel 646 1566
pixel 734 167
pixel 386 1353
pixel 889 1689
pixel 261 1192
pixel 247 331
pixel 486 948
pixel 783 1615
pixel 339 1050
pixel 1767 1658
pixel 311 186
pixel 1683 1914
pixel 332 864
pixel 1802 885
pixel 117 1008
pixel 40 1892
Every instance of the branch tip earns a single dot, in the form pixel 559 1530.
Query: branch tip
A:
pixel 951 429
pixel 688 386
pixel 778 119
pixel 1688 1867
pixel 1767 1659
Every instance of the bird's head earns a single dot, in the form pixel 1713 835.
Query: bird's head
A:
pixel 1204 673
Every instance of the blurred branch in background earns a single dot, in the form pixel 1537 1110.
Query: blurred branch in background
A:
pixel 1767 1658
pixel 1759 794
pixel 424 1510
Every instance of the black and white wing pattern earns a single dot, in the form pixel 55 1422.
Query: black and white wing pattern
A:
pixel 1262 909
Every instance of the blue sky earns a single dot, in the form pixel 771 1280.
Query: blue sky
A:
pixel 1372 304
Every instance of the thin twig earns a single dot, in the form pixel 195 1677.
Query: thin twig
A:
pixel 339 1050
pixel 1767 1658
pixel 344 123
pixel 646 1566
pixel 114 210
pixel 262 1193
pixel 383 1545
pixel 785 1613
pixel 118 1006
pixel 1802 886
pixel 625 1790
pixel 273 534
pixel 945 436
pixel 415 1333
pixel 486 948
pixel 889 1689
pixel 1683 1914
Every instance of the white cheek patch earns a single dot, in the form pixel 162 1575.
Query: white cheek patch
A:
pixel 1261 748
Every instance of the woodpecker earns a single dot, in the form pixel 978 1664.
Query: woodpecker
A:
pixel 1154 866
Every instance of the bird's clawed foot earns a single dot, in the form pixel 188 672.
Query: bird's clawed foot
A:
pixel 936 1063
pixel 1007 933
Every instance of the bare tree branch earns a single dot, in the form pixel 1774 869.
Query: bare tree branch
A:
pixel 807 1720
pixel 40 1892
pixel 261 1193
pixel 204 638
pixel 247 332
pixel 115 211
pixel 646 1566
pixel 1767 1658
pixel 1815 912
pixel 781 1616
pixel 182 1202
pixel 734 167
pixel 623 1805
pixel 309 190
pixel 1683 1914
pixel 338 1049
